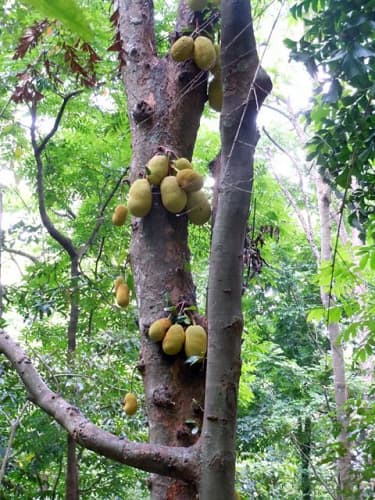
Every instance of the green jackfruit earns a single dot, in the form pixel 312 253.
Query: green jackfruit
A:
pixel 174 340
pixel 122 295
pixel 158 169
pixel 172 196
pixel 158 329
pixel 215 94
pixel 130 403
pixel 119 215
pixel 140 198
pixel 204 53
pixel 195 341
pixel 182 49
pixel 198 208
pixel 189 180
pixel 182 164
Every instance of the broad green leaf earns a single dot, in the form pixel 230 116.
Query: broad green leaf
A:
pixel 316 314
pixel 66 11
pixel 334 314
pixel 363 261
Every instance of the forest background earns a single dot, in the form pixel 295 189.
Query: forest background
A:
pixel 309 253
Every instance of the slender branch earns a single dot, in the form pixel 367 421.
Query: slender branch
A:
pixel 317 476
pixel 177 462
pixel 305 223
pixel 2 112
pixel 63 240
pixel 339 223
pixel 343 233
pixel 99 218
pixel 57 478
pixel 21 253
pixel 59 116
pixel 13 429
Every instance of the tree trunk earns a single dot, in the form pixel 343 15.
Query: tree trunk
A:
pixel 304 448
pixel 72 476
pixel 174 391
pixel 242 78
pixel 338 362
pixel 164 116
pixel 72 481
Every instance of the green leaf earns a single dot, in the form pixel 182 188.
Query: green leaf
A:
pixel 372 261
pixel 363 261
pixel 66 11
pixel 335 314
pixel 316 314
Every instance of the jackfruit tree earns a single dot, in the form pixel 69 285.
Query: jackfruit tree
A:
pixel 165 101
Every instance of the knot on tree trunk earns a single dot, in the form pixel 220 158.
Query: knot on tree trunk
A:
pixel 142 111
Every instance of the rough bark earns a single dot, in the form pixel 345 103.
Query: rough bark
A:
pixel 245 86
pixel 338 362
pixel 174 392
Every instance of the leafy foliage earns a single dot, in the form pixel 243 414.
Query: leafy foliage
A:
pixel 339 52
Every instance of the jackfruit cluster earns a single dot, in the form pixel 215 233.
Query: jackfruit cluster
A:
pixel 201 50
pixel 174 338
pixel 180 189
pixel 206 55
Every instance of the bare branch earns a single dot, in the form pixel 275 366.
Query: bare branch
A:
pixel 99 218
pixel 174 462
pixel 305 221
pixel 59 116
pixel 13 429
pixel 21 253
pixel 63 240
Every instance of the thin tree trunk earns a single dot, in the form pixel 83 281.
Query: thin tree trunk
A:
pixel 304 447
pixel 72 476
pixel 241 75
pixel 72 481
pixel 338 362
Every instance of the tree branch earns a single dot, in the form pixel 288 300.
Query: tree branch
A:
pixel 305 221
pixel 21 253
pixel 13 429
pixel 99 218
pixel 175 462
pixel 63 240
pixel 59 116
